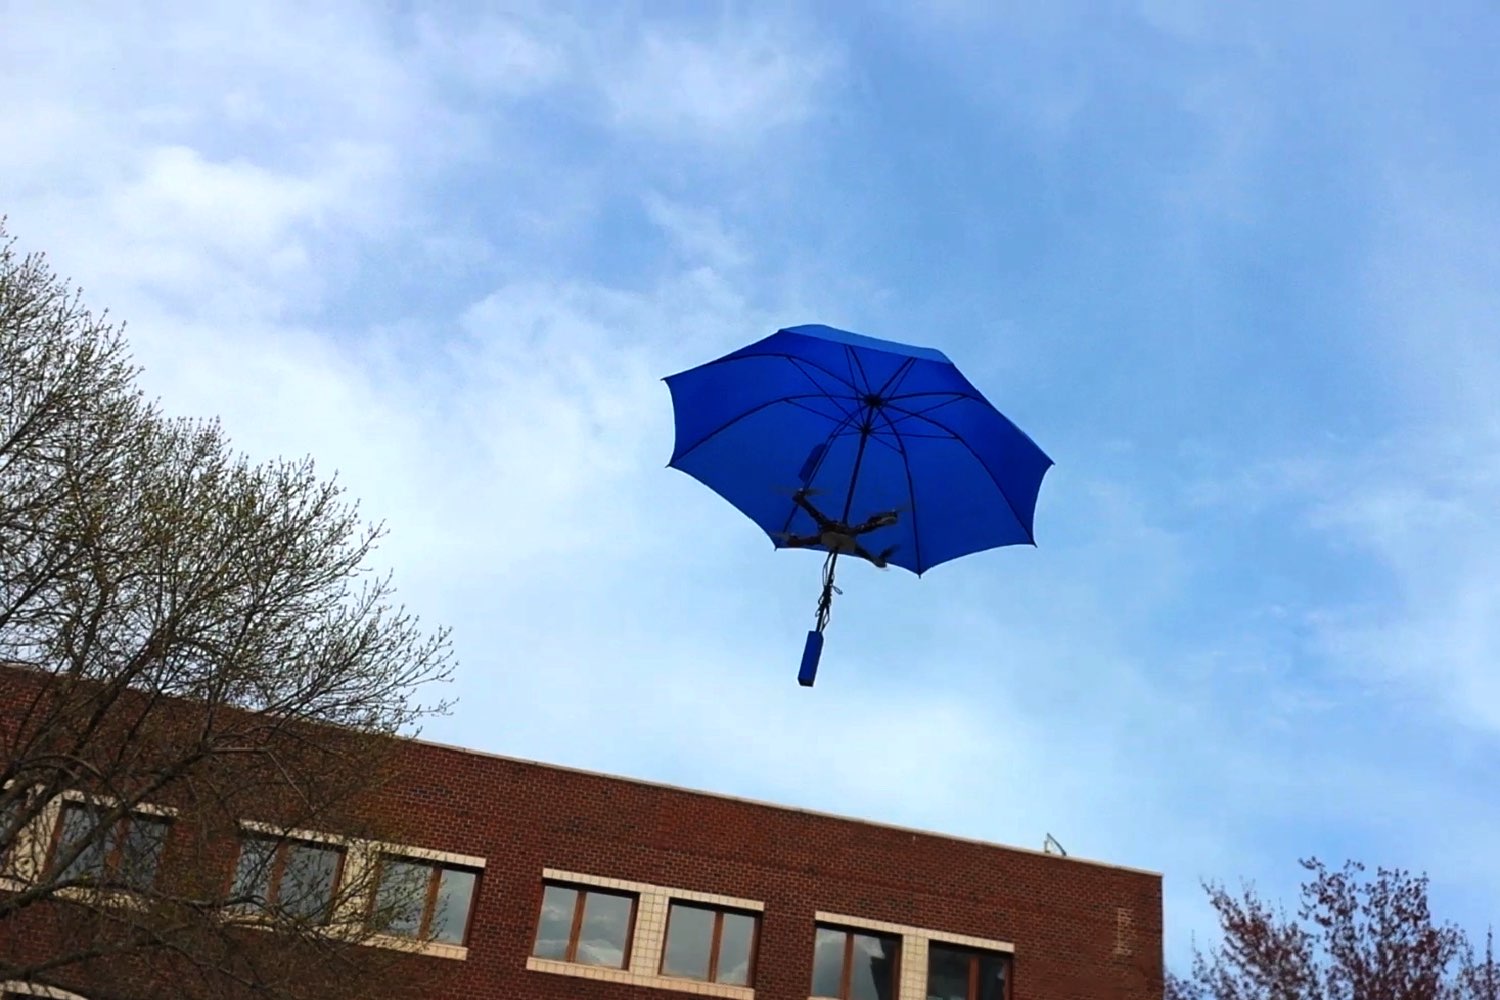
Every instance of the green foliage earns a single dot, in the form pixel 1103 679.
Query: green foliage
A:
pixel 182 625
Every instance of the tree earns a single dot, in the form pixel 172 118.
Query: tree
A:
pixel 194 640
pixel 1354 938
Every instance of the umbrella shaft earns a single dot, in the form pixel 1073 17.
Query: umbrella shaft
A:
pixel 859 459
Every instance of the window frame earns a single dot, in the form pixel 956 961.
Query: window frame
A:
pixel 435 871
pixel 583 889
pixel 714 942
pixel 281 846
pixel 109 877
pixel 17 806
pixel 975 956
pixel 847 970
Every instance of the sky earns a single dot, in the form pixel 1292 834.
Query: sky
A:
pixel 1235 267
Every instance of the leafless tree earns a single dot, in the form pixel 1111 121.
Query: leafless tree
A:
pixel 1354 937
pixel 191 641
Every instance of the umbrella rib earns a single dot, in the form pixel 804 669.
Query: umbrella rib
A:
pixel 803 406
pixel 797 364
pixel 781 354
pixel 911 436
pixel 748 413
pixel 936 406
pixel 837 430
pixel 934 392
pixel 852 359
pixel 988 471
pixel 908 415
pixel 897 377
pixel 911 492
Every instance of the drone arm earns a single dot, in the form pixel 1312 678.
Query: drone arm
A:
pixel 800 499
pixel 882 520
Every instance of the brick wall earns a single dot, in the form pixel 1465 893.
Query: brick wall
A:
pixel 1080 930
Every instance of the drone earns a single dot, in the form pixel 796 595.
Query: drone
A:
pixel 838 536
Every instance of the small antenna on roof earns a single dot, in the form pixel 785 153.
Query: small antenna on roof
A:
pixel 1051 846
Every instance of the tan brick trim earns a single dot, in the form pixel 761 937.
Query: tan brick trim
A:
pixel 291 833
pixel 644 888
pixel 425 854
pixel 23 862
pixel 910 930
pixel 652 904
pixel 914 942
pixel 34 842
pixel 35 990
pixel 435 949
pixel 110 802
pixel 636 979
pixel 359 857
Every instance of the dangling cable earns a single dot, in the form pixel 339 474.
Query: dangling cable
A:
pixel 825 602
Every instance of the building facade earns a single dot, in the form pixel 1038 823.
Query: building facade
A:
pixel 536 882
pixel 599 887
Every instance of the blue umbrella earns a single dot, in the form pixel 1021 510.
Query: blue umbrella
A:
pixel 839 442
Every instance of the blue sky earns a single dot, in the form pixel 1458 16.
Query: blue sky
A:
pixel 1235 267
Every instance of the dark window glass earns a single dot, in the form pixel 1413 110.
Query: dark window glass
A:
pixel 828 962
pixel 872 968
pixel 849 965
pixel 293 878
pixel 993 971
pixel 422 900
pixel 588 926
pixel 80 825
pixel 736 949
pixel 455 898
pixel 708 943
pixel 947 974
pixel 252 874
pixel 690 942
pixel 401 897
pixel 554 931
pixel 126 853
pixel 604 935
pixel 140 850
pixel 964 974
pixel 308 875
pixel 10 814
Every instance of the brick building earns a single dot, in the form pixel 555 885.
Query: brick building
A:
pixel 601 887
pixel 547 883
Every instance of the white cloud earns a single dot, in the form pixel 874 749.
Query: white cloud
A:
pixel 699 234
pixel 492 53
pixel 1421 502
pixel 226 178
pixel 731 86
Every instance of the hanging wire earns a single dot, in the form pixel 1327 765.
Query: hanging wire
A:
pixel 825 602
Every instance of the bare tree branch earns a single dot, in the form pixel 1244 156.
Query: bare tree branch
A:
pixel 188 640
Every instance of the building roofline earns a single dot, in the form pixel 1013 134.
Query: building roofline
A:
pixel 916 831
pixel 665 786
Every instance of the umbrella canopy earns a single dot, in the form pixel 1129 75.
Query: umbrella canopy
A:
pixel 870 426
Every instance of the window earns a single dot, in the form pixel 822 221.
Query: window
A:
pixel 585 925
pixel 423 900
pixel 709 944
pixel 10 832
pixel 854 965
pixel 292 878
pixel 126 854
pixel 964 974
